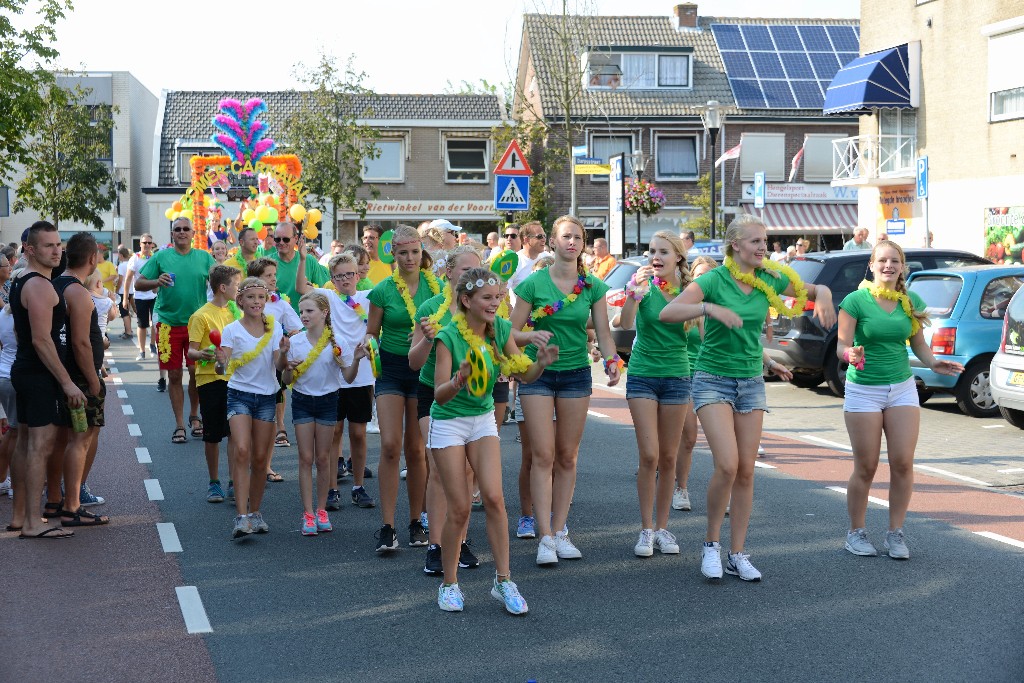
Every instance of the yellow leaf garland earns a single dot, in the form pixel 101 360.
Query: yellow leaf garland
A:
pixel 880 292
pixel 321 343
pixel 403 290
pixel 510 365
pixel 163 343
pixel 247 357
pixel 773 298
pixel 435 319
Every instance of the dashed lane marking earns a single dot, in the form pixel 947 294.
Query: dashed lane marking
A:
pixel 117 380
pixel 108 354
pixel 596 414
pixel 1012 469
pixel 1002 539
pixel 953 475
pixel 134 429
pixel 168 537
pixel 833 444
pixel 113 369
pixel 765 465
pixel 127 409
pixel 121 393
pixel 993 426
pixel 192 610
pixel 142 455
pixel 153 489
pixel 876 501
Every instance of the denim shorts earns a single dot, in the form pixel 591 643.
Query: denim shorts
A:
pixel 257 406
pixel 668 390
pixel 743 394
pixel 396 377
pixel 862 398
pixel 560 384
pixel 323 410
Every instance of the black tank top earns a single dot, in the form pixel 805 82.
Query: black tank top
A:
pixel 27 359
pixel 61 283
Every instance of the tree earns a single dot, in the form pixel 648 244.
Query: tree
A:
pixel 24 55
pixel 66 176
pixel 326 135
pixel 702 225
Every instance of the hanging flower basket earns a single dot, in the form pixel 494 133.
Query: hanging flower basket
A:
pixel 644 197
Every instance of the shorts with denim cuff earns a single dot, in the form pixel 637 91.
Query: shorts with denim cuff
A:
pixel 322 410
pixel 460 431
pixel 396 377
pixel 560 384
pixel 863 398
pixel 744 394
pixel 672 391
pixel 257 406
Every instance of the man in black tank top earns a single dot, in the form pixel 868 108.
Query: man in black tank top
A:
pixel 41 383
pixel 82 359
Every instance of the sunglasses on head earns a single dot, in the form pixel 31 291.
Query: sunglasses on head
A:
pixel 283 239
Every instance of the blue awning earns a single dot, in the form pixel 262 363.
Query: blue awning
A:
pixel 880 80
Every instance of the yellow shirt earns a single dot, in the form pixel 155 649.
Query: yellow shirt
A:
pixel 108 274
pixel 379 271
pixel 208 317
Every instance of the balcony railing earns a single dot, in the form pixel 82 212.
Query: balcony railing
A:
pixel 873 159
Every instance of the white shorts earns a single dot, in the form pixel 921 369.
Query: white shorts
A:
pixel 460 431
pixel 861 398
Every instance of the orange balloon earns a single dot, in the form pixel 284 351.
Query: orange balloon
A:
pixel 176 206
pixel 262 233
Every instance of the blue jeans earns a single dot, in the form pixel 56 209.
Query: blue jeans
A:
pixel 323 410
pixel 257 406
pixel 743 394
pixel 668 390
pixel 560 384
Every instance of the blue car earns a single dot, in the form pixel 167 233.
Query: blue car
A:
pixel 967 306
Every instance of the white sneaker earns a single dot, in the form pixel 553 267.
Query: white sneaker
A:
pixel 5 485
pixel 547 551
pixel 857 543
pixel 680 499
pixel 141 356
pixel 564 547
pixel 645 546
pixel 665 542
pixel 372 427
pixel 760 451
pixel 739 565
pixel 711 560
pixel 403 474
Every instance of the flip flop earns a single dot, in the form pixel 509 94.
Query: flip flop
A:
pixel 281 440
pixel 197 432
pixel 274 476
pixel 11 527
pixel 50 532
pixel 177 437
pixel 83 518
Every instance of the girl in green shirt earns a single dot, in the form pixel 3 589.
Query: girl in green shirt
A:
pixel 560 300
pixel 875 323
pixel 728 385
pixel 462 427
pixel 658 384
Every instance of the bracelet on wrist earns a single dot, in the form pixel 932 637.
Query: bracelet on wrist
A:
pixel 615 361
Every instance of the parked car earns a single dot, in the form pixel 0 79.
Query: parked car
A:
pixel 1006 374
pixel 808 349
pixel 966 307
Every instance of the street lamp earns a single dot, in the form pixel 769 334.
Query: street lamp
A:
pixel 639 163
pixel 712 117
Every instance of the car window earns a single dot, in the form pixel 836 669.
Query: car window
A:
pixel 939 292
pixel 806 269
pixel 620 274
pixel 1014 341
pixel 914 266
pixel 997 295
pixel 848 279
pixel 957 262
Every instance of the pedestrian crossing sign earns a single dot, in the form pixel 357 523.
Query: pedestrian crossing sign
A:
pixel 511 192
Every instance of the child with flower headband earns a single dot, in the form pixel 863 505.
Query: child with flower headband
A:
pixel 392 314
pixel 462 426
pixel 249 351
pixel 876 322
pixel 313 367
pixel 561 299
pixel 728 384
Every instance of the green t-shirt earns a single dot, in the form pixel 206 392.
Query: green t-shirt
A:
pixel 569 325
pixel 693 344
pixel 316 275
pixel 175 305
pixel 883 336
pixel 735 352
pixel 430 308
pixel 396 324
pixel 660 348
pixel 465 404
pixel 364 285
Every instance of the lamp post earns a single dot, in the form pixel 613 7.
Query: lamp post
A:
pixel 639 163
pixel 712 119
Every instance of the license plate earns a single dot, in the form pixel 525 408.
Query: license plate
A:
pixel 1016 379
pixel 773 313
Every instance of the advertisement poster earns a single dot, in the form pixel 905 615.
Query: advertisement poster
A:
pixel 898 213
pixel 1004 234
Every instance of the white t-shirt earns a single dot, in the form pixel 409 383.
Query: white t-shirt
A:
pixel 523 271
pixel 284 314
pixel 102 304
pixel 349 332
pixel 778 256
pixel 324 375
pixel 135 264
pixel 258 375
pixel 9 341
pixel 122 270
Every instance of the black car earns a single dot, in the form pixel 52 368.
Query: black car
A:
pixel 810 350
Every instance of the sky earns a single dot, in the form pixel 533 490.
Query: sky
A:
pixel 403 46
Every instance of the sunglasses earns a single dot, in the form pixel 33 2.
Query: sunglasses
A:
pixel 180 230
pixel 511 235
pixel 286 240
pixel 148 243
pixel 535 237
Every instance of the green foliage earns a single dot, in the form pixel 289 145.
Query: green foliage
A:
pixel 67 173
pixel 24 55
pixel 545 161
pixel 327 137
pixel 702 226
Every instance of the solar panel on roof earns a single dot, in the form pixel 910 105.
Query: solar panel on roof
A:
pixel 847 57
pixel 728 37
pixel 808 94
pixel 767 65
pixel 786 38
pixel 843 38
pixel 778 94
pixel 826 64
pixel 757 37
pixel 747 92
pixel 797 65
pixel 815 38
pixel 737 64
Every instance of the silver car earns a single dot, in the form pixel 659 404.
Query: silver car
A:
pixel 1006 374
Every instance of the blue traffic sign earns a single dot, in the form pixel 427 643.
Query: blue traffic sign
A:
pixel 511 192
pixel 922 177
pixel 759 190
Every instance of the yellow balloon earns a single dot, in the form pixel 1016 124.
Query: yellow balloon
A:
pixel 187 213
pixel 310 232
pixel 263 214
pixel 297 212
pixel 248 215
pixel 169 213
pixel 314 216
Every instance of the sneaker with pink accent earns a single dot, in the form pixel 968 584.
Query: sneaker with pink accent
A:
pixel 323 522
pixel 308 524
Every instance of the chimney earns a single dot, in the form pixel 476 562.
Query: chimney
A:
pixel 687 15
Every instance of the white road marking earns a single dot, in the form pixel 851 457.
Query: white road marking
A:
pixel 121 393
pixel 112 369
pixel 833 444
pixel 192 610
pixel 108 354
pixel 936 470
pixel 993 426
pixel 765 465
pixel 117 380
pixel 127 409
pixel 153 489
pixel 142 455
pixel 1002 539
pixel 1012 469
pixel 876 501
pixel 168 537
pixel 595 413
pixel 134 430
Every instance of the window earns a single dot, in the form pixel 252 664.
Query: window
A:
pixel 389 166
pixel 1005 77
pixel 465 161
pixel 184 169
pixel 764 152
pixel 102 113
pixel 675 157
pixel 817 161
pixel 637 70
pixel 997 295
pixel 673 71
pixel 604 147
pixel 897 145
pixel 939 293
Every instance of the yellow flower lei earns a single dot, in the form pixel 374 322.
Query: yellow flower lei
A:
pixel 773 298
pixel 403 289
pixel 511 365
pixel 321 344
pixel 881 292
pixel 435 319
pixel 247 357
pixel 163 343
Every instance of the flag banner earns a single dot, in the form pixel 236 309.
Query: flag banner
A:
pixel 733 153
pixel 795 164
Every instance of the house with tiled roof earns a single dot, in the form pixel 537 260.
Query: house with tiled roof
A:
pixel 643 85
pixel 434 155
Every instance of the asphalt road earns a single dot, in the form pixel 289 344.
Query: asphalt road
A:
pixel 283 607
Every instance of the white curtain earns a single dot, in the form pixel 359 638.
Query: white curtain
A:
pixel 638 71
pixel 673 71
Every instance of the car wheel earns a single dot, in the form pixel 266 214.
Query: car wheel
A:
pixel 807 380
pixel 1014 417
pixel 973 392
pixel 923 395
pixel 835 373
